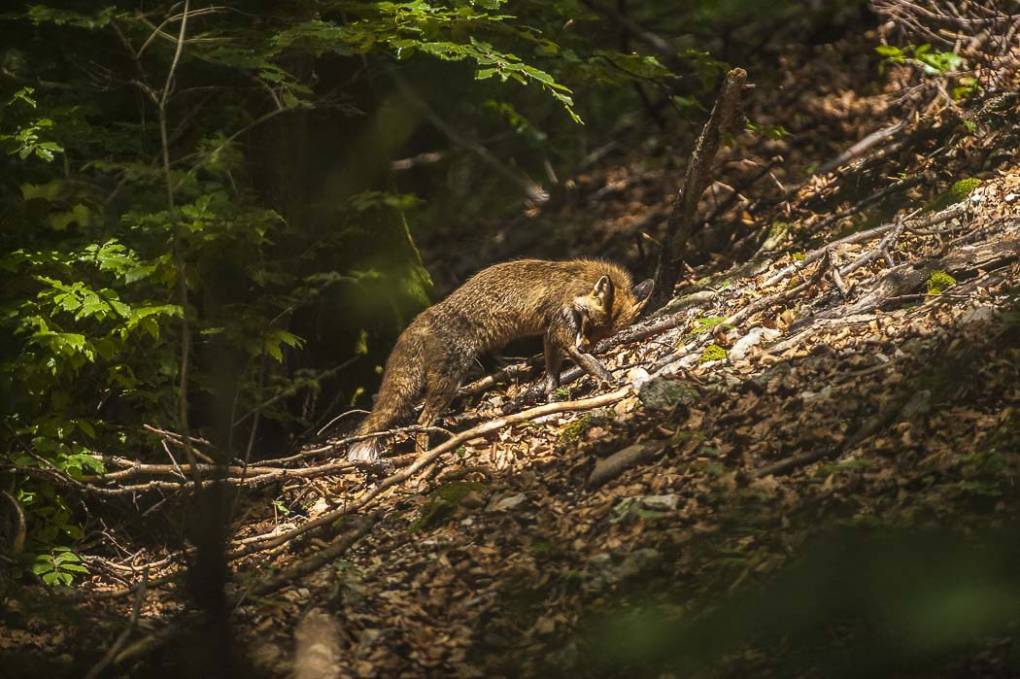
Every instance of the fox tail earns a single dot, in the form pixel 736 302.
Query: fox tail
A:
pixel 403 380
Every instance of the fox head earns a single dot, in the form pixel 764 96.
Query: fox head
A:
pixel 609 308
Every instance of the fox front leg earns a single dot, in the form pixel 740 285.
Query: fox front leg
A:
pixel 553 361
pixel 564 336
pixel 581 342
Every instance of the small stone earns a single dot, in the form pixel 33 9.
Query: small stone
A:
pixel 755 337
pixel 977 315
pixel 637 561
pixel 660 503
pixel 665 393
pixel 509 502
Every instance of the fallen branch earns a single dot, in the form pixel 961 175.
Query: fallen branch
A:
pixel 622 460
pixel 263 542
pixel 811 257
pixel 258 543
pixel 318 559
pixel 860 148
pixel 906 278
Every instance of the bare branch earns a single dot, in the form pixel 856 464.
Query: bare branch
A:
pixel 681 223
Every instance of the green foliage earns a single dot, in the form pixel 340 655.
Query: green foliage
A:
pixel 572 434
pixel 706 323
pixel 408 28
pixel 58 567
pixel 27 138
pixel 768 131
pixel 520 124
pixel 931 61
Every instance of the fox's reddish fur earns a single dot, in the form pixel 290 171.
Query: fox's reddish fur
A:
pixel 572 303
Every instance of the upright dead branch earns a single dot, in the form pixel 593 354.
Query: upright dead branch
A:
pixel 680 226
pixel 178 250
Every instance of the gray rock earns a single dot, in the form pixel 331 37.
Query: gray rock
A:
pixel 665 393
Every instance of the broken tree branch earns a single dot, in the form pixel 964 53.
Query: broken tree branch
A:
pixel 620 461
pixel 681 223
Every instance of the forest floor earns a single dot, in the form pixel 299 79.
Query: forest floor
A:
pixel 850 366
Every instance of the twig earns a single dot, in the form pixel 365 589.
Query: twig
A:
pixel 660 45
pixel 622 460
pixel 530 188
pixel 861 147
pixel 881 250
pixel 861 236
pixel 293 390
pixel 177 467
pixel 837 278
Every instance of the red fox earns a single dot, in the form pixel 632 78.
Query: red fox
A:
pixel 572 304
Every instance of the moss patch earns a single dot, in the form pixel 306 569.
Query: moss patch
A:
pixel 443 503
pixel 573 432
pixel 939 282
pixel 713 352
pixel 956 193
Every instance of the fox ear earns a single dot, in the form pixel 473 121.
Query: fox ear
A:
pixel 603 291
pixel 642 293
pixel 643 290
